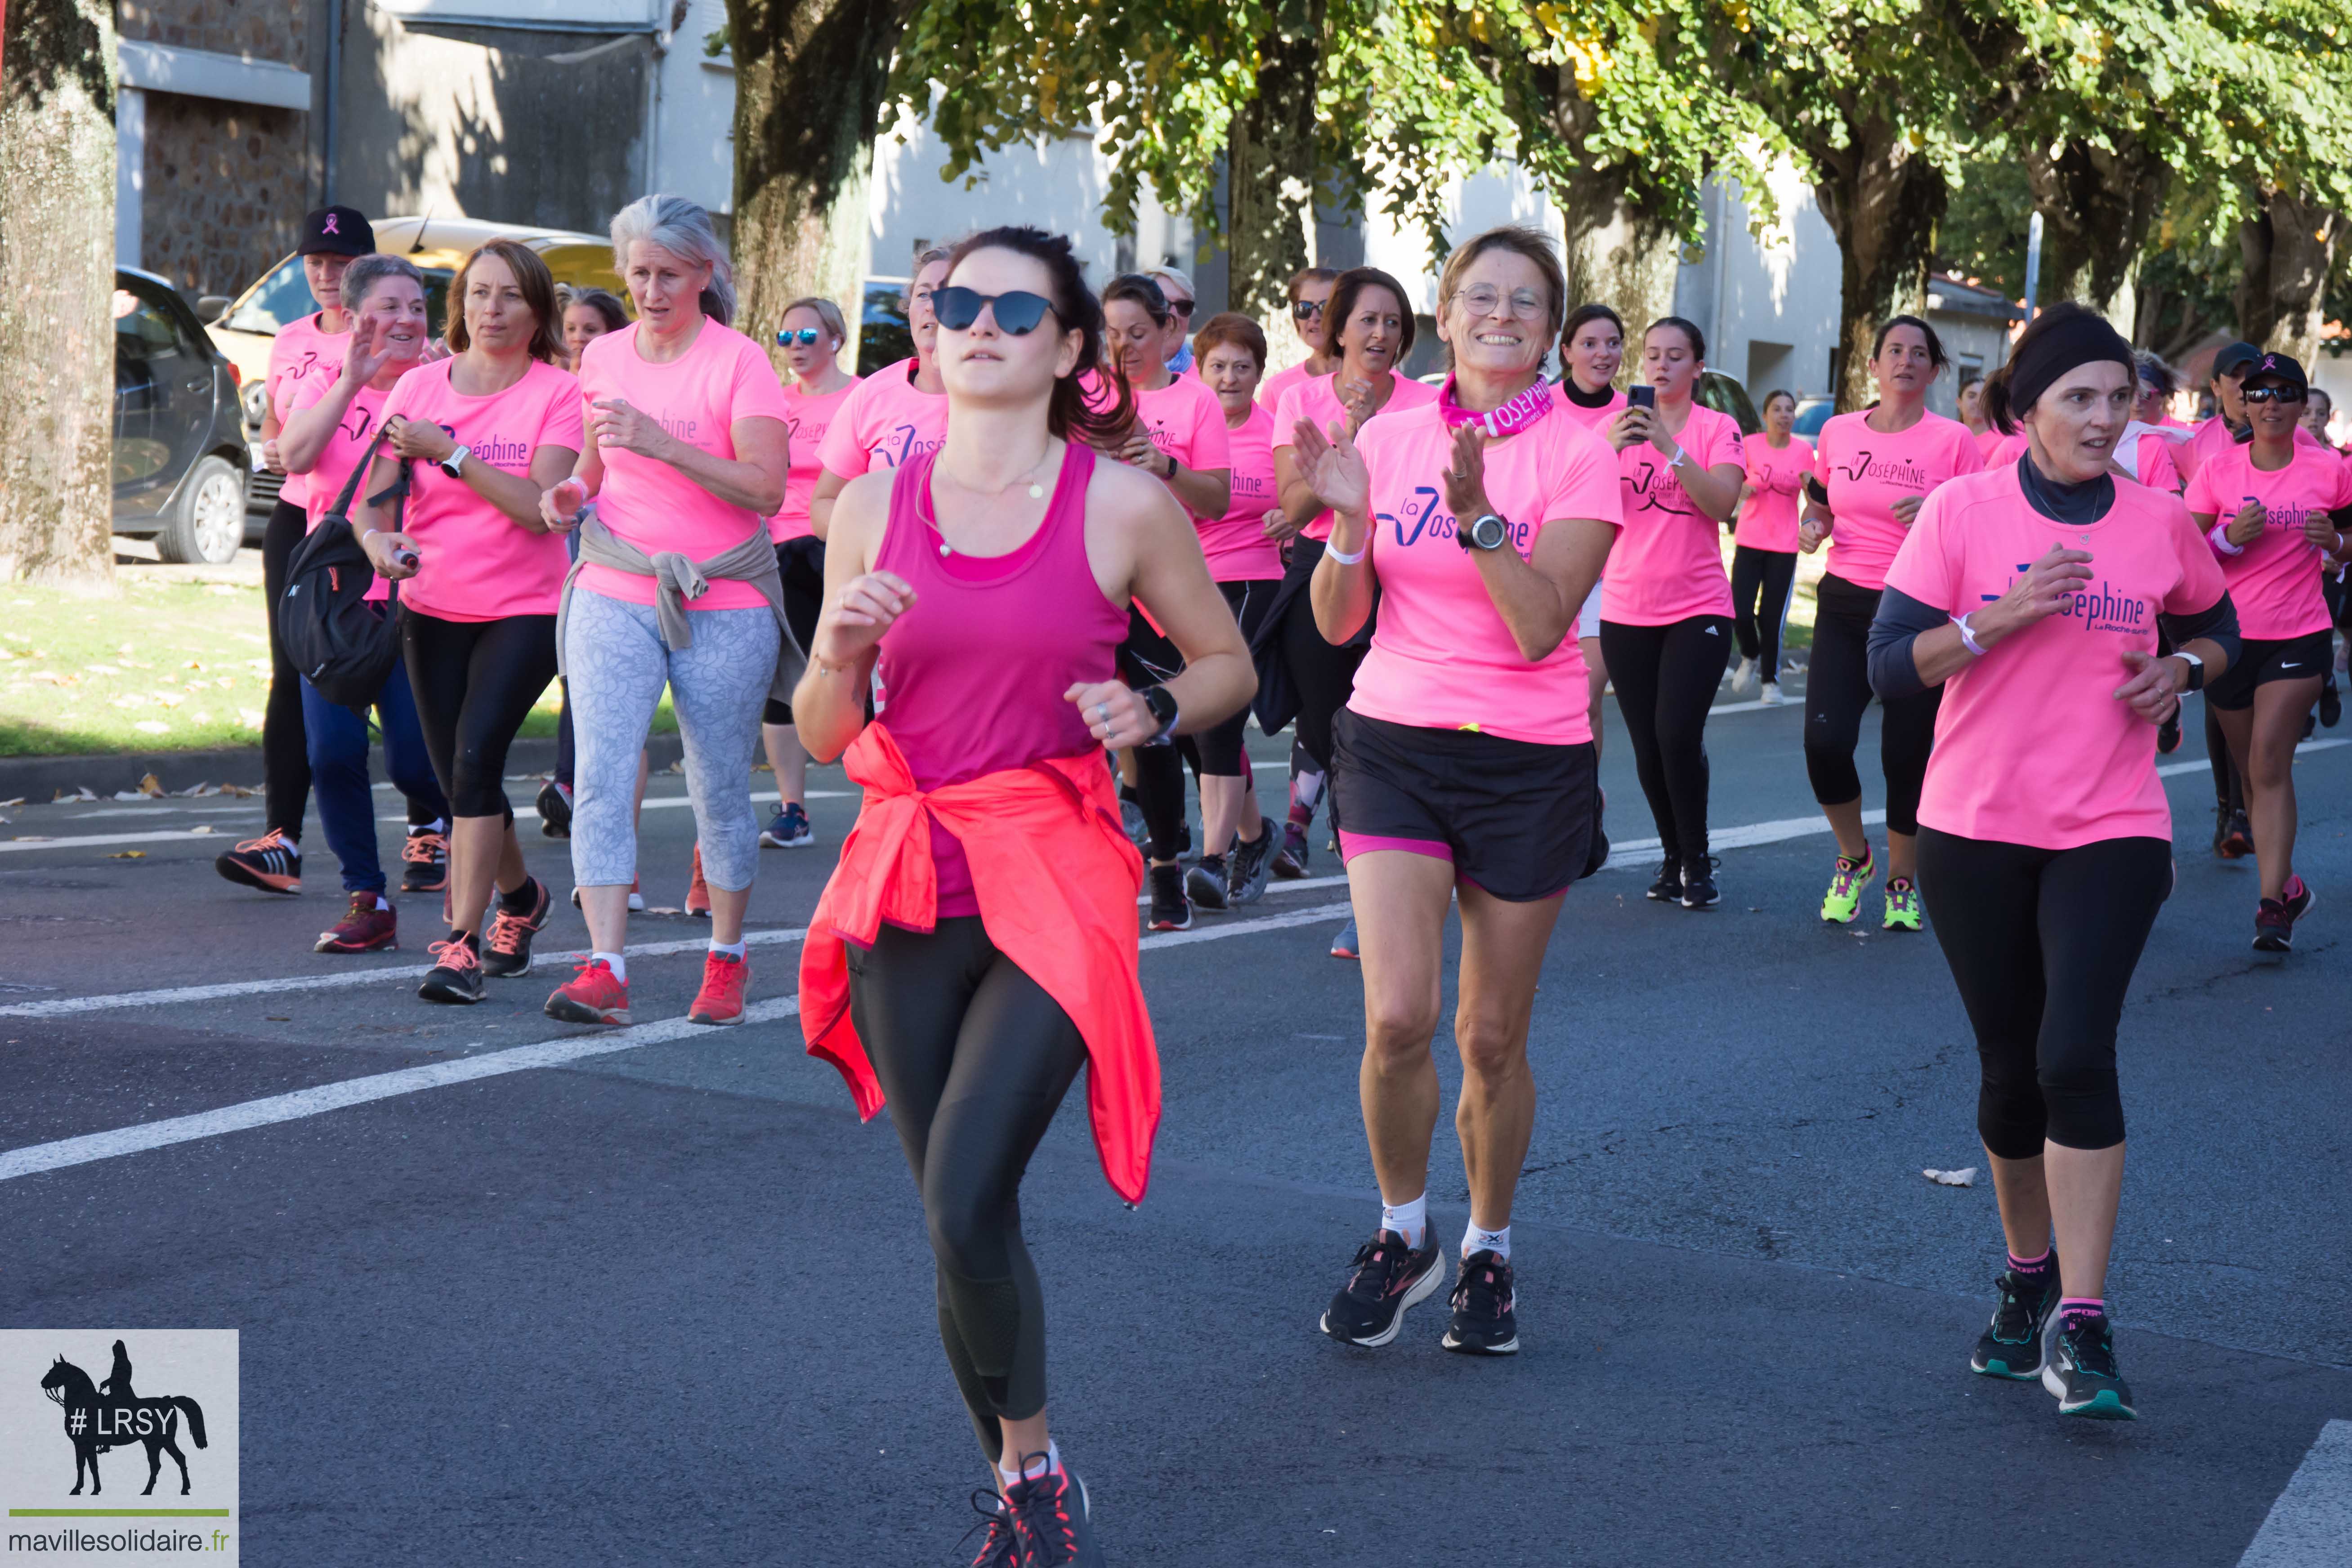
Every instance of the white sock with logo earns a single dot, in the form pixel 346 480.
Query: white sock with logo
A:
pixel 1498 1242
pixel 620 965
pixel 735 950
pixel 1410 1221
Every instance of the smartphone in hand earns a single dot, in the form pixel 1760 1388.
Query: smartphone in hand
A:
pixel 1641 398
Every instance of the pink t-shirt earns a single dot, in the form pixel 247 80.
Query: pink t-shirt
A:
pixel 2158 471
pixel 1313 398
pixel 2008 449
pixel 887 421
pixel 1987 439
pixel 810 419
pixel 2274 581
pixel 475 562
pixel 1866 473
pixel 1769 520
pixel 698 397
pixel 1668 563
pixel 1270 390
pixel 1187 422
pixel 1236 544
pixel 2031 746
pixel 299 353
pixel 352 437
pixel 1440 657
pixel 2214 437
pixel 1593 419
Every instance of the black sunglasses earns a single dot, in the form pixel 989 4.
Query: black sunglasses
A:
pixel 2275 395
pixel 805 336
pixel 1306 307
pixel 1017 312
pixel 1182 307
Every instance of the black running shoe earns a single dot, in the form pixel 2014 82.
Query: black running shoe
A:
pixel 2081 1370
pixel 554 806
pixel 1387 1276
pixel 1698 885
pixel 999 1547
pixel 1052 1526
pixel 2167 734
pixel 1668 888
pixel 1290 860
pixel 457 974
pixel 1204 884
pixel 2237 837
pixel 1171 910
pixel 1247 872
pixel 1483 1321
pixel 2221 830
pixel 2331 703
pixel 2274 918
pixel 424 862
pixel 2015 1343
pixel 506 952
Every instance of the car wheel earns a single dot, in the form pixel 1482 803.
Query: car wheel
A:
pixel 209 524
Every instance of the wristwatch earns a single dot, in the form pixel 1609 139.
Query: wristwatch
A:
pixel 455 461
pixel 2196 668
pixel 1172 465
pixel 1486 532
pixel 1162 706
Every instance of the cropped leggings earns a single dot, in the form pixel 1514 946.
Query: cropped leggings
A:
pixel 974 1058
pixel 1666 678
pixel 2042 944
pixel 617 665
pixel 476 682
pixel 1759 604
pixel 1837 690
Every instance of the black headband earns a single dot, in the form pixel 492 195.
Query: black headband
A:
pixel 2067 345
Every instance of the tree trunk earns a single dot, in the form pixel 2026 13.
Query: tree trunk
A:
pixel 809 79
pixel 1883 201
pixel 2097 205
pixel 56 292
pixel 2289 248
pixel 1620 252
pixel 1271 167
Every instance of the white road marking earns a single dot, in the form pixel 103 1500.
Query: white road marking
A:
pixel 300 1103
pixel 1624 853
pixel 2310 1525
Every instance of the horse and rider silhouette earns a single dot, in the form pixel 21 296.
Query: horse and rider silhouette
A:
pixel 97 1418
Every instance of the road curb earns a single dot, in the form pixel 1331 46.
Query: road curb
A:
pixel 40 778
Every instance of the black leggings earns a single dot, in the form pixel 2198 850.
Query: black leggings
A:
pixel 800 562
pixel 474 682
pixel 285 751
pixel 2042 944
pixel 1324 675
pixel 1837 690
pixel 974 1058
pixel 1759 603
pixel 1148 659
pixel 1666 678
pixel 1221 748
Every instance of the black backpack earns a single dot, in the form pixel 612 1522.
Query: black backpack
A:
pixel 331 635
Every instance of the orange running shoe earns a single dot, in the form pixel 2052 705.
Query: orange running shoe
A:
pixel 272 863
pixel 591 996
pixel 720 1000
pixel 698 891
pixel 456 974
pixel 425 862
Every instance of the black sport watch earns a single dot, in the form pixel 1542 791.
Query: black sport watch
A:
pixel 2195 669
pixel 1162 704
pixel 1484 532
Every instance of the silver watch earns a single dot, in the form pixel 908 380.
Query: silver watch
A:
pixel 455 461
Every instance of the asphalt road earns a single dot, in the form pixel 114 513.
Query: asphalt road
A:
pixel 671 1301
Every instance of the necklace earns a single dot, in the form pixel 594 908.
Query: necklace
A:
pixel 1036 490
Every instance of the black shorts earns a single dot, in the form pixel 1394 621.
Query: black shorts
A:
pixel 1514 817
pixel 800 562
pixel 2262 660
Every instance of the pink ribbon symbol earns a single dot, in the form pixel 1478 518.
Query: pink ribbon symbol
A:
pixel 331 228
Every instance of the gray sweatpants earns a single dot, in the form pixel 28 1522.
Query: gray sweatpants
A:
pixel 616 668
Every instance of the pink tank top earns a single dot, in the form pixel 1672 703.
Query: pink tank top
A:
pixel 975 670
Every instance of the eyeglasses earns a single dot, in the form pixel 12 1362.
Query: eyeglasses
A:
pixel 1482 297
pixel 1017 312
pixel 804 337
pixel 2275 394
pixel 1303 309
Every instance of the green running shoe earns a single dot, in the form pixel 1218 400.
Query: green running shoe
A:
pixel 1843 900
pixel 1902 905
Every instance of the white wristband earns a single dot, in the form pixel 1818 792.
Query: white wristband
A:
pixel 1333 553
pixel 2220 540
pixel 1969 636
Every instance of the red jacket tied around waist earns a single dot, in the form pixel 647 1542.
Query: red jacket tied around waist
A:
pixel 1056 880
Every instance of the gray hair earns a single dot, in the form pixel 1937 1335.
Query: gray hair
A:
pixel 826 311
pixel 922 259
pixel 684 229
pixel 1173 276
pixel 365 272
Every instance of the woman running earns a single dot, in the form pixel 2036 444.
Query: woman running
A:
pixel 1371 329
pixel 894 415
pixel 1872 469
pixel 1465 767
pixel 1665 616
pixel 685 456
pixel 332 421
pixel 1764 559
pixel 303 347
pixel 1245 559
pixel 488 430
pixel 2044 865
pixel 2270 509
pixel 1310 299
pixel 813 336
pixel 1178 435
pixel 980 932
pixel 1591 350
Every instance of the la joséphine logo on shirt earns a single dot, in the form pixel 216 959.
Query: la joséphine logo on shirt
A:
pixel 1251 487
pixel 2098 606
pixel 1657 488
pixel 1886 470
pixel 903 443
pixel 2287 516
pixel 1428 519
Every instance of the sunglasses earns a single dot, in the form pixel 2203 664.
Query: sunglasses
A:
pixel 2275 394
pixel 1306 307
pixel 804 337
pixel 1180 307
pixel 1017 312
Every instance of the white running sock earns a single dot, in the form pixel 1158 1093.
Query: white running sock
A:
pixel 735 950
pixel 620 965
pixel 381 902
pixel 1013 1477
pixel 438 825
pixel 1410 1221
pixel 1498 1242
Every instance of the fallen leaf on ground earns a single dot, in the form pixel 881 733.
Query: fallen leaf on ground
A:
pixel 32 838
pixel 128 794
pixel 151 787
pixel 127 855
pixel 151 727
pixel 18 800
pixel 1963 1178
